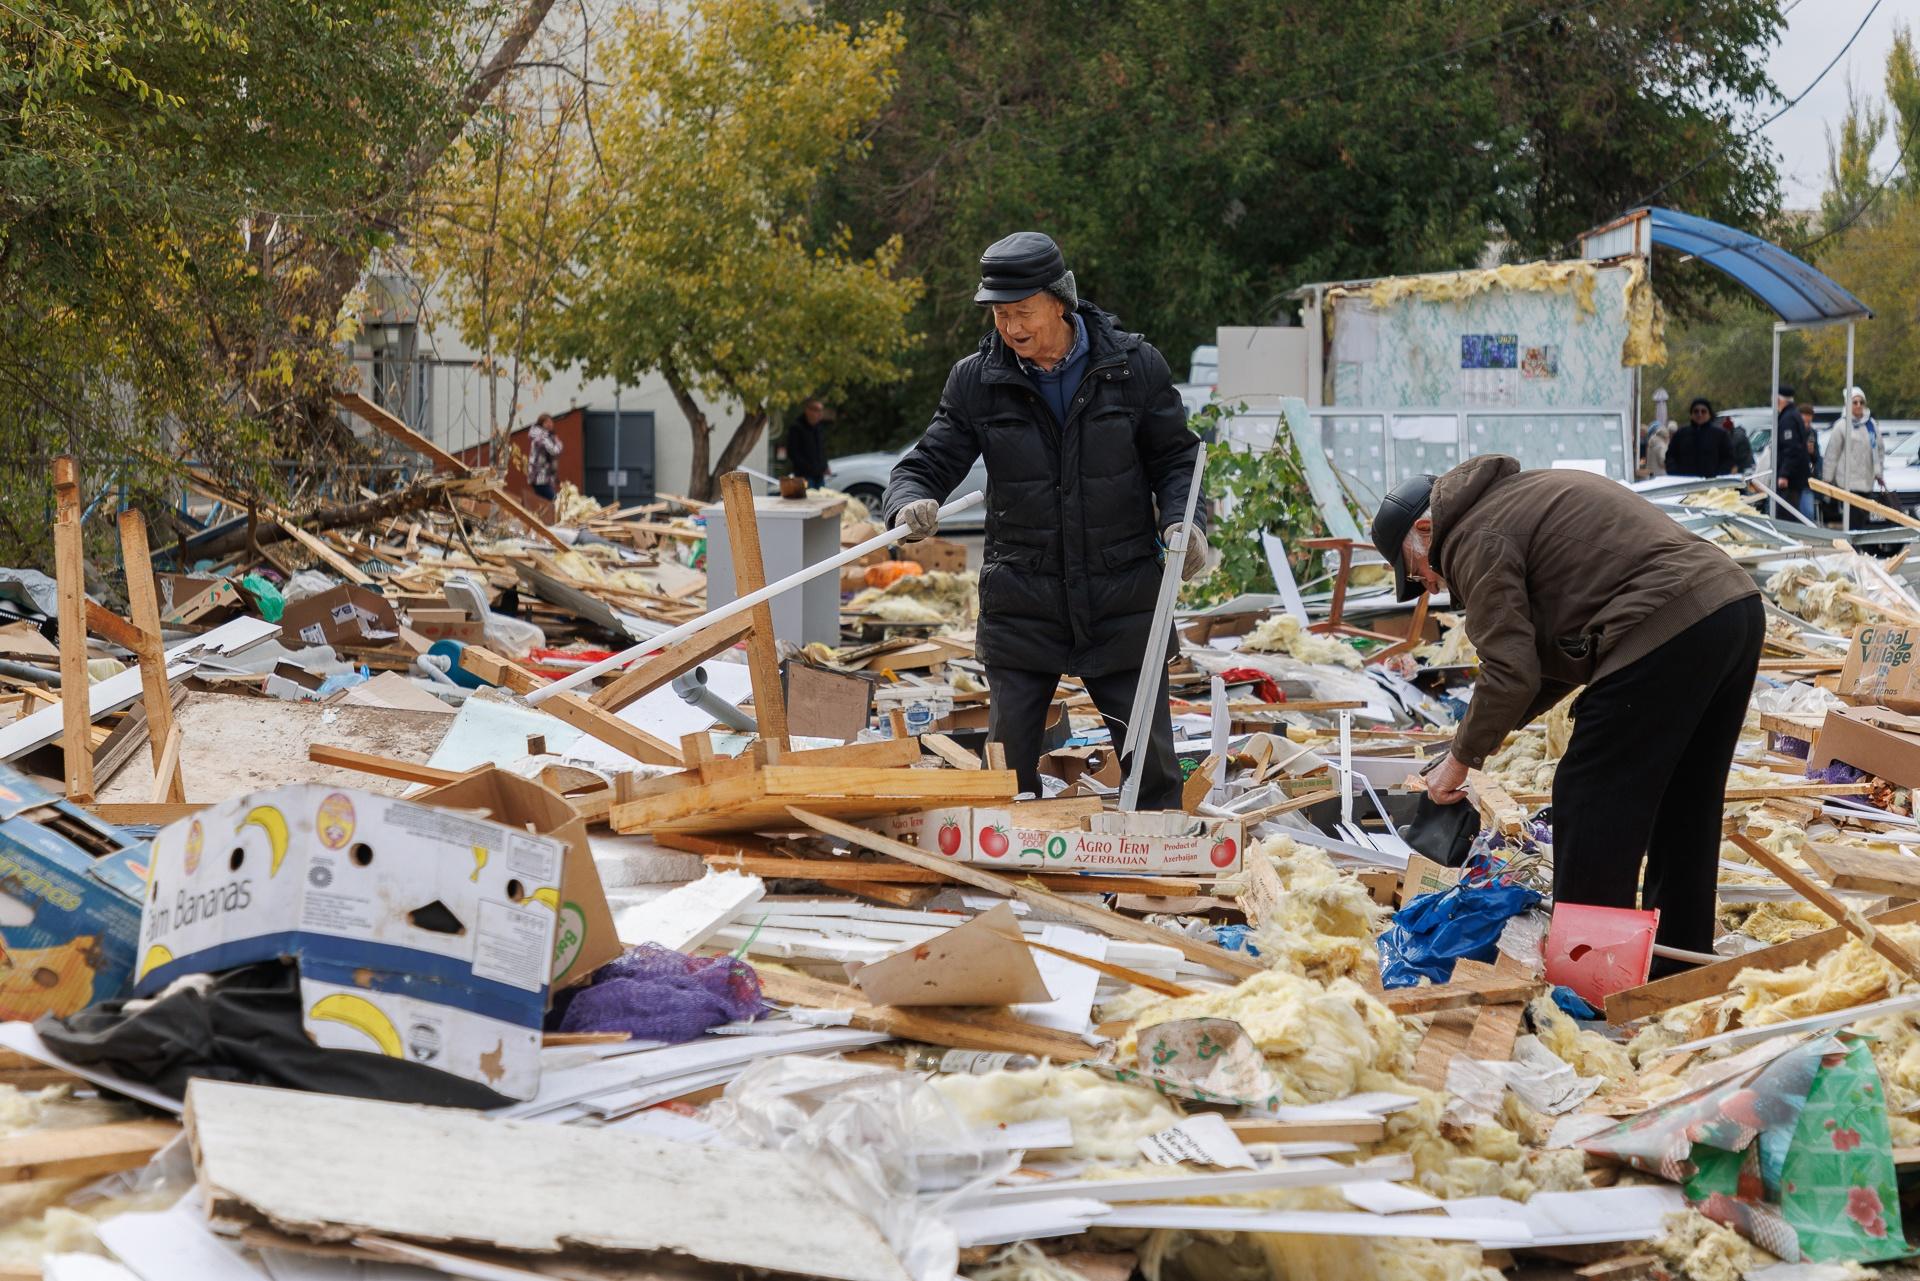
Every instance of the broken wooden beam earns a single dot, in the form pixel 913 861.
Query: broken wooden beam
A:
pixel 749 576
pixel 83 1152
pixel 1817 894
pixel 69 564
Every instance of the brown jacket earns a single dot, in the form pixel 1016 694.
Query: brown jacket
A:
pixel 1565 577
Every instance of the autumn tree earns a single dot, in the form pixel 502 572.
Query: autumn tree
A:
pixel 193 193
pixel 671 229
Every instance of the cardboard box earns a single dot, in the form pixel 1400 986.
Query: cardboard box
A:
pixel 420 933
pixel 583 938
pixel 826 704
pixel 447 624
pixel 343 615
pixel 936 555
pixel 1045 836
pixel 70 891
pixel 1879 740
pixel 1883 667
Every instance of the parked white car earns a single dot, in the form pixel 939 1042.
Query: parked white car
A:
pixel 865 477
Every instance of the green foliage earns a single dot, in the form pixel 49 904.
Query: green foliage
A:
pixel 193 187
pixel 1198 161
pixel 1868 228
pixel 677 236
pixel 1252 494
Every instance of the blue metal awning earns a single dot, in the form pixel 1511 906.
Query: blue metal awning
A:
pixel 1797 292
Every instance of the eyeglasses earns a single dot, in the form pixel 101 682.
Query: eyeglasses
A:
pixel 1700 413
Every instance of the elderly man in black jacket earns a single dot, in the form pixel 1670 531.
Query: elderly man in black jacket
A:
pixel 1089 460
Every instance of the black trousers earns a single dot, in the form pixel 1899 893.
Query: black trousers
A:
pixel 1017 718
pixel 1645 777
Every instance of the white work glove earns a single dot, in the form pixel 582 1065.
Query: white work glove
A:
pixel 920 518
pixel 1196 559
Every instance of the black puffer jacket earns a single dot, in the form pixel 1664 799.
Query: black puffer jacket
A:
pixel 1073 556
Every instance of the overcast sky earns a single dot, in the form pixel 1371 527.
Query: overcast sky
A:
pixel 1816 30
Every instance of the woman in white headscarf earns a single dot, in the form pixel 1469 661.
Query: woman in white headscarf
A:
pixel 1856 456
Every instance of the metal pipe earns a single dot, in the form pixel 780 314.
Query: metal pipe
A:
pixel 28 672
pixel 692 687
pixel 740 605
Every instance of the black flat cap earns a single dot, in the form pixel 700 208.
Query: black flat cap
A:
pixel 1405 504
pixel 1785 390
pixel 1019 266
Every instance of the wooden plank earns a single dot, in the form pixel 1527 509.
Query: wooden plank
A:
pixel 1881 510
pixel 1253 1129
pixel 390 426
pixel 1497 1026
pixel 104 623
pixel 76 742
pixel 1152 982
pixel 611 730
pixel 1849 868
pixel 839 869
pixel 1446 1039
pixel 1767 792
pixel 677 659
pixel 143 813
pixel 1498 810
pixel 749 576
pixel 383 766
pixel 143 610
pixel 1711 980
pixel 168 766
pixel 511 505
pixel 950 752
pixel 1099 918
pixel 85 1152
pixel 961 1028
pixel 1452 996
pixel 333 559
pixel 760 797
pixel 495 670
pixel 1817 894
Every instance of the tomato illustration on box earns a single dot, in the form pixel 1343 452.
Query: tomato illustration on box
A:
pixel 420 933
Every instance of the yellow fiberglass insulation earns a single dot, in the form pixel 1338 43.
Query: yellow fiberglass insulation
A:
pixel 934 598
pixel 1453 649
pixel 1325 921
pixel 1587 1053
pixel 1321 1041
pixel 1267 1256
pixel 1716 500
pixel 1572 276
pixel 1806 592
pixel 1646 341
pixel 1850 975
pixel 1283 634
pixel 1705 1251
pixel 1773 922
pixel 1527 760
pixel 1022 1261
pixel 1452 1161
pixel 572 507
pixel 1109 1117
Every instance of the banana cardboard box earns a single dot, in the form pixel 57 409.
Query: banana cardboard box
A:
pixel 420 933
pixel 70 890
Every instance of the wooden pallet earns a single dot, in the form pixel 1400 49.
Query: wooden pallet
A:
pixel 760 800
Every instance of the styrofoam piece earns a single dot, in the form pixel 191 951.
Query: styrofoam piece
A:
pixel 1189 1186
pixel 1595 1216
pixel 461 1179
pixel 175 1245
pixel 687 917
pixel 1213 1218
pixel 1811 1023
pixel 1000 1224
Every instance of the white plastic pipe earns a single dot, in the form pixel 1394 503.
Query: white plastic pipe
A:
pixel 739 606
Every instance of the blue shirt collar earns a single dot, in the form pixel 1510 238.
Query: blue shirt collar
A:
pixel 1074 352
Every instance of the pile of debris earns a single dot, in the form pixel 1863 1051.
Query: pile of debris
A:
pixel 505 899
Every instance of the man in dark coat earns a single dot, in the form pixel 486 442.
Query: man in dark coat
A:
pixel 1793 456
pixel 1742 447
pixel 807 444
pixel 1089 461
pixel 1701 447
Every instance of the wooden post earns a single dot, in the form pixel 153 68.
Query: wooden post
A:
pixel 750 575
pixel 143 605
pixel 76 744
